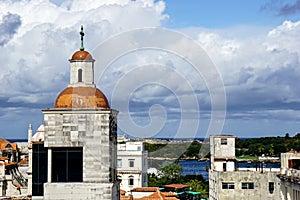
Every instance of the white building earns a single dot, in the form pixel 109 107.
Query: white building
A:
pixel 226 181
pixel 290 176
pixel 132 164
pixel 78 157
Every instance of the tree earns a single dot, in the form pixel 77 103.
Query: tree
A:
pixel 168 174
pixel 172 171
pixel 193 150
pixel 297 136
pixel 199 186
pixel 287 136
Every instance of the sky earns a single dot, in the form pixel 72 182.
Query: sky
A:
pixel 172 68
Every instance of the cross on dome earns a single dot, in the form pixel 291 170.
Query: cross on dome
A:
pixel 82 34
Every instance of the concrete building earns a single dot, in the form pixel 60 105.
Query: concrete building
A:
pixel 12 181
pixel 226 181
pixel 132 164
pixel 290 176
pixel 78 158
pixel 9 150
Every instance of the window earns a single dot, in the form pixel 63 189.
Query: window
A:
pixel 39 168
pixel 223 141
pixel 271 187
pixel 296 194
pixel 8 147
pixel 294 163
pixel 80 75
pixel 67 164
pixel 131 162
pixel 130 181
pixel 247 185
pixel 224 167
pixel 119 163
pixel 227 185
pixel 139 148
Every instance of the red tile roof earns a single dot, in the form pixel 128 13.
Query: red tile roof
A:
pixel 176 186
pixel 156 195
pixel 24 161
pixel 145 189
pixel 3 158
pixel 4 143
pixel 122 192
pixel 169 194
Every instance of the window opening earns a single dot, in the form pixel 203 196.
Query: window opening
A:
pixel 79 75
pixel 227 185
pixel 247 185
pixel 131 181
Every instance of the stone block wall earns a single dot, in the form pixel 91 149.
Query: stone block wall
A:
pixel 91 130
pixel 259 192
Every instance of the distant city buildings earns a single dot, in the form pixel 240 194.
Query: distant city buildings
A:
pixel 132 164
pixel 226 181
pixel 12 181
pixel 9 151
pixel 290 176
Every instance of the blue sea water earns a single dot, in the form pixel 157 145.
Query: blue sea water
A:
pixel 195 167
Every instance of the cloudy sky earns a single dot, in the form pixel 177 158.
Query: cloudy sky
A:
pixel 207 59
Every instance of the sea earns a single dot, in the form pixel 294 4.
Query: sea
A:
pixel 195 167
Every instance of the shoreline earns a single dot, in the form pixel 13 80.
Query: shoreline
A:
pixel 207 159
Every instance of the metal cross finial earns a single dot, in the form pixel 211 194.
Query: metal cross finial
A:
pixel 82 34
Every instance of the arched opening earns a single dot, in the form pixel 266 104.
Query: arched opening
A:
pixel 79 75
pixel 130 181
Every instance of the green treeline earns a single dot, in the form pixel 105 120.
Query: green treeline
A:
pixel 180 150
pixel 269 146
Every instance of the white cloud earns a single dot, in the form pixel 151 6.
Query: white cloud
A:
pixel 259 68
pixel 49 35
pixel 259 71
pixel 34 60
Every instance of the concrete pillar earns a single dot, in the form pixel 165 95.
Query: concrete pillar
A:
pixel 49 165
pixel 29 135
pixel 29 172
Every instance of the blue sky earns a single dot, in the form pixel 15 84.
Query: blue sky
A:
pixel 221 14
pixel 253 45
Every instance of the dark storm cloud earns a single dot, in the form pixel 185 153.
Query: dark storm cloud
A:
pixel 6 103
pixel 289 9
pixel 270 92
pixel 282 9
pixel 8 27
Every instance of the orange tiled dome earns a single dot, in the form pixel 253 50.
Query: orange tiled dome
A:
pixel 82 55
pixel 81 97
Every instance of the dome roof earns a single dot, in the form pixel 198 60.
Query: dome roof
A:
pixel 82 55
pixel 81 97
pixel 39 136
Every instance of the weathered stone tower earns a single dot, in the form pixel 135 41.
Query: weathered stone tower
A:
pixel 222 153
pixel 227 181
pixel 81 138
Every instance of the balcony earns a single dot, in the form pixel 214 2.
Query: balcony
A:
pixel 291 175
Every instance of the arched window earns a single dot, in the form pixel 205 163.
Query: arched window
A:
pixel 79 75
pixel 130 181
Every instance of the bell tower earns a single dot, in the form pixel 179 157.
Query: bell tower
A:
pixel 80 139
pixel 82 67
